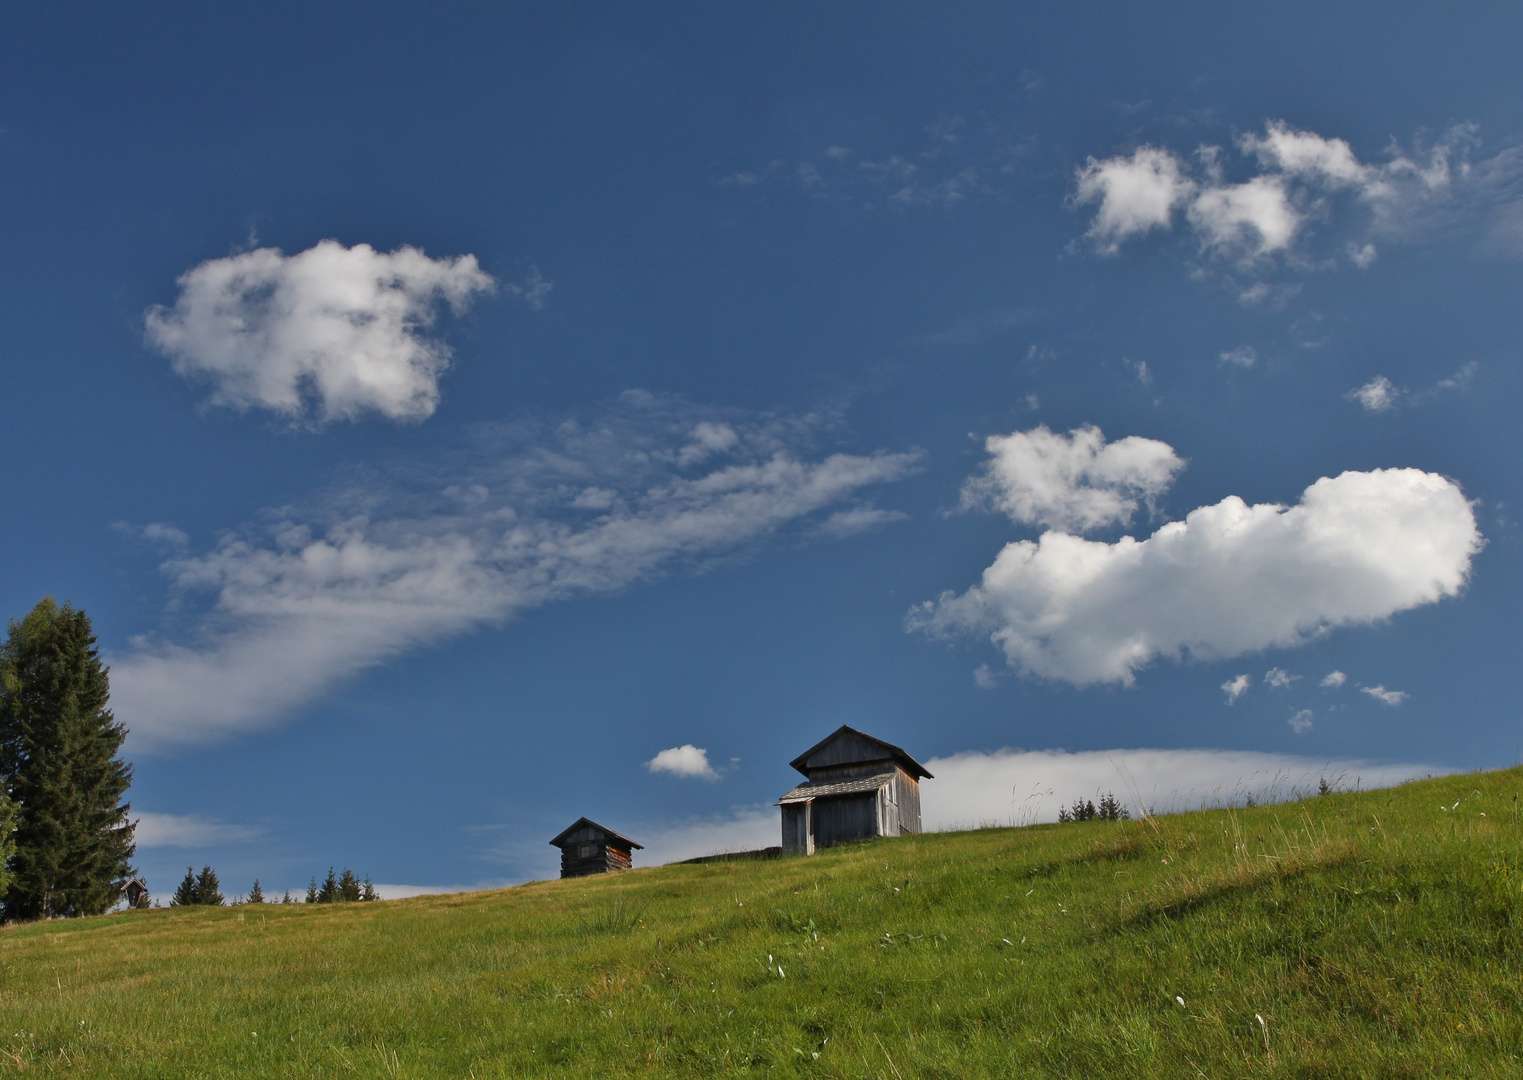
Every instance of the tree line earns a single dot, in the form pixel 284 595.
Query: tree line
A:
pixel 1109 809
pixel 204 888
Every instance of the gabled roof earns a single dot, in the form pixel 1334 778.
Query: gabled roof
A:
pixel 609 833
pixel 860 786
pixel 865 748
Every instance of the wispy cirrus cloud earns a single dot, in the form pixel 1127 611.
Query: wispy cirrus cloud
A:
pixel 326 334
pixel 523 518
pixel 188 831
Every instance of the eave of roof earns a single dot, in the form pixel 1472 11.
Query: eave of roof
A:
pixel 897 753
pixel 857 786
pixel 579 822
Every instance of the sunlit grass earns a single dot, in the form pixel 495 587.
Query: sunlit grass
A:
pixel 1368 935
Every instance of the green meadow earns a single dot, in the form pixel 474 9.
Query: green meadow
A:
pixel 1353 934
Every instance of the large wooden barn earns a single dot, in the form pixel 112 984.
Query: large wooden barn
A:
pixel 858 787
pixel 589 848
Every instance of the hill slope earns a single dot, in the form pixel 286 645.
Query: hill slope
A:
pixel 1375 934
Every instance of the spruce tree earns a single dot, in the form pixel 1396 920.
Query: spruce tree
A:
pixel 7 840
pixel 312 891
pixel 208 889
pixel 256 894
pixel 368 891
pixel 58 761
pixel 286 899
pixel 348 886
pixel 329 894
pixel 186 894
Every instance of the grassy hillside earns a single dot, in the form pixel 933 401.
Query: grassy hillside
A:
pixel 1375 934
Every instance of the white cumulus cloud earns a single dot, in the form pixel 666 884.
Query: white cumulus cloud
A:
pixel 1381 694
pixel 1076 481
pixel 1279 678
pixel 326 334
pixel 1377 395
pixel 1236 687
pixel 1136 194
pixel 685 760
pixel 1230 579
pixel 1333 679
pixel 1296 178
pixel 1301 722
pixel 362 575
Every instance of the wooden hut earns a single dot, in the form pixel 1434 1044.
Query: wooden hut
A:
pixel 589 848
pixel 858 787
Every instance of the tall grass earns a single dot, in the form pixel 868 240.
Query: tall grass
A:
pixel 1372 934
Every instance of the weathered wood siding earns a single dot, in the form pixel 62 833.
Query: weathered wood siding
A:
pixel 587 851
pixel 845 818
pixel 798 838
pixel 576 861
pixel 849 749
pixel 901 805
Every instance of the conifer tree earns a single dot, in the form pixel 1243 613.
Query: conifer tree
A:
pixel 256 894
pixel 58 761
pixel 348 886
pixel 186 894
pixel 368 891
pixel 286 899
pixel 208 890
pixel 7 840
pixel 329 893
pixel 312 891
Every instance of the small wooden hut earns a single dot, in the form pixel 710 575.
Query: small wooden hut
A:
pixel 858 787
pixel 589 848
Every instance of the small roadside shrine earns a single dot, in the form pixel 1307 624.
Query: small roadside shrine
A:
pixel 589 848
pixel 859 787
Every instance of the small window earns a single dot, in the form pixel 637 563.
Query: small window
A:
pixel 586 851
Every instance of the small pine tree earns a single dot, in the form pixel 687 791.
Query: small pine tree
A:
pixel 208 891
pixel 286 899
pixel 348 886
pixel 1082 810
pixel 368 891
pixel 256 894
pixel 186 894
pixel 312 891
pixel 1112 810
pixel 1064 815
pixel 329 893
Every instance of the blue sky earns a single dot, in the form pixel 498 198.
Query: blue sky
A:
pixel 453 423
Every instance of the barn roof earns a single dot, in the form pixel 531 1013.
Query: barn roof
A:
pixel 858 786
pixel 854 746
pixel 607 832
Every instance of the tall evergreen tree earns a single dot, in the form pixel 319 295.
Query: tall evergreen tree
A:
pixel 208 889
pixel 312 891
pixel 368 891
pixel 58 761
pixel 7 840
pixel 256 894
pixel 186 894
